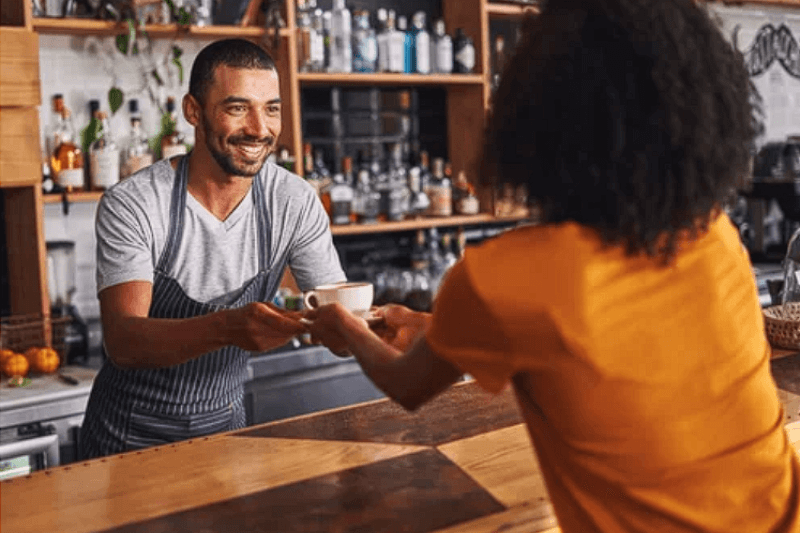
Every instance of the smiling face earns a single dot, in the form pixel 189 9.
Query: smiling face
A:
pixel 240 119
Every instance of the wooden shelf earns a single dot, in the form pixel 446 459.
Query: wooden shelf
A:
pixel 510 10
pixel 75 26
pixel 423 223
pixel 356 78
pixel 82 196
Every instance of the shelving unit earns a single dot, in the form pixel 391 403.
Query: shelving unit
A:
pixel 76 26
pixel 82 196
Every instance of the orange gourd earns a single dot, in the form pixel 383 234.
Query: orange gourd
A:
pixel 43 360
pixel 5 354
pixel 16 365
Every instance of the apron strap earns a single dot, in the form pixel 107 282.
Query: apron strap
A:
pixel 177 206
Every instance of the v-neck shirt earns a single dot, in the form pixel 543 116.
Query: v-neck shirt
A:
pixel 215 257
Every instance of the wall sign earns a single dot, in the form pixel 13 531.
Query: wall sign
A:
pixel 771 44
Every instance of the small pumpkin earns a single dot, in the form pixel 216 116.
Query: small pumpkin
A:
pixel 5 354
pixel 16 365
pixel 43 360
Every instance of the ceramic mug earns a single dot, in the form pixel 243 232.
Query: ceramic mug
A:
pixel 355 296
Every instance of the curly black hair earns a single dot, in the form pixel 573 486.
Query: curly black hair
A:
pixel 628 116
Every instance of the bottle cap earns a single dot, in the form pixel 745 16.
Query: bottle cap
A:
pixel 94 105
pixel 133 105
pixel 170 104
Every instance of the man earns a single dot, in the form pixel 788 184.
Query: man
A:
pixel 628 323
pixel 189 250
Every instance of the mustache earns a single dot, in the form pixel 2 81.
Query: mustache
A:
pixel 237 139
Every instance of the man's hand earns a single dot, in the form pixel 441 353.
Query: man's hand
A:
pixel 258 327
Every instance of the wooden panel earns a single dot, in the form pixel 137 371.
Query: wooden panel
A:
pixel 19 67
pixel 73 26
pixel 466 124
pixel 503 462
pixel 525 518
pixel 27 254
pixel 473 18
pixel 16 13
pixel 20 153
pixel 158 481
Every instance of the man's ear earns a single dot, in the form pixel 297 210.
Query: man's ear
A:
pixel 191 110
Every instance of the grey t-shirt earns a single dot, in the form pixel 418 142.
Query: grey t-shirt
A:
pixel 216 258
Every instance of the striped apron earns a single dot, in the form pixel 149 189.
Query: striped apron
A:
pixel 132 409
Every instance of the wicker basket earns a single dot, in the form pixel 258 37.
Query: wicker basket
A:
pixel 20 332
pixel 782 323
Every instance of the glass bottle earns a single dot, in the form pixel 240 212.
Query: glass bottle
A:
pixel 103 156
pixel 317 42
pixel 408 44
pixel 791 270
pixel 499 60
pixel 442 60
pixel 450 255
pixel 137 153
pixel 419 201
pixel 419 253
pixel 304 30
pixel 66 157
pixel 421 56
pixel 310 173
pixel 340 199
pixel 382 39
pixel 367 199
pixel 465 202
pixel 463 53
pixel 365 45
pixel 395 43
pixel 172 141
pixel 439 191
pixel 341 38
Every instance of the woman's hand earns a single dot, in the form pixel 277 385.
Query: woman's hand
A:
pixel 400 326
pixel 336 327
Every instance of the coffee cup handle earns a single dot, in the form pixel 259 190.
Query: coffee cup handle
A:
pixel 310 300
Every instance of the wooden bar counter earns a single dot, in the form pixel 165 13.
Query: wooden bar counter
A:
pixel 460 464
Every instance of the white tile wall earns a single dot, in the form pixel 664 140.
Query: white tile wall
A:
pixel 78 68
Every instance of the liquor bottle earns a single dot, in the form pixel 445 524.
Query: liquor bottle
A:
pixel 339 196
pixel 408 44
pixel 419 253
pixel 365 45
pixel 66 157
pixel 304 30
pixel 439 191
pixel 341 38
pixel 89 133
pixel 395 43
pixel 367 199
pixel 463 53
pixel 317 42
pixel 436 263
pixel 421 57
pixel 461 242
pixel 382 39
pixel 465 202
pixel 442 60
pixel 394 205
pixel 137 153
pixel 499 60
pixel 103 156
pixel 172 142
pixel 418 202
pixel 424 170
pixel 450 255
pixel 310 173
pixel 327 26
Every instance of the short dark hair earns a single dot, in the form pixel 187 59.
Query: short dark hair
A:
pixel 631 117
pixel 237 53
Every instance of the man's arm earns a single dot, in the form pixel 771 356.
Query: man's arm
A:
pixel 133 340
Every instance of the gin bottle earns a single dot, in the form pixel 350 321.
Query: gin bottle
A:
pixel 408 45
pixel 395 43
pixel 341 38
pixel 442 57
pixel 422 45
pixel 104 156
pixel 365 45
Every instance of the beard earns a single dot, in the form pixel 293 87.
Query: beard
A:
pixel 231 161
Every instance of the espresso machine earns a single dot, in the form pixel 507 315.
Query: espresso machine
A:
pixel 61 285
pixel 767 210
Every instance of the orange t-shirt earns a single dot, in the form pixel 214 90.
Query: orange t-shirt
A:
pixel 651 403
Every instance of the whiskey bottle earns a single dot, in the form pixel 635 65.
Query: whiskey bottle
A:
pixel 66 157
pixel 439 190
pixel 172 142
pixel 103 156
pixel 137 153
pixel 465 202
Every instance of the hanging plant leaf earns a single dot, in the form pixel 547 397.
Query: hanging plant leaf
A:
pixel 176 60
pixel 157 77
pixel 124 40
pixel 115 99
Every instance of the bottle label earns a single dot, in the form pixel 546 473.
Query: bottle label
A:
pixel 172 150
pixel 104 168
pixel 397 59
pixel 365 54
pixel 70 177
pixel 441 201
pixel 340 212
pixel 467 205
pixel 444 56
pixel 466 58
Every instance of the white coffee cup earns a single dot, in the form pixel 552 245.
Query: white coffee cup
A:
pixel 355 296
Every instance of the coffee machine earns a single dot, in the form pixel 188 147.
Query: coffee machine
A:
pixel 61 285
pixel 767 210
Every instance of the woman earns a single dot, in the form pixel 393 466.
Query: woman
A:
pixel 628 323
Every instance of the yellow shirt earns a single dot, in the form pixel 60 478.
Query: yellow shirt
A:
pixel 646 389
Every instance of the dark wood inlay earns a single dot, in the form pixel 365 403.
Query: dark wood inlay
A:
pixel 416 493
pixel 462 411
